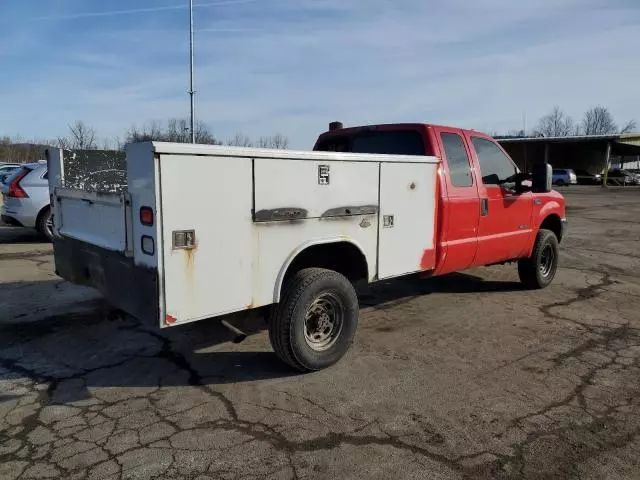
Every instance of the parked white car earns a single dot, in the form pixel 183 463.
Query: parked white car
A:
pixel 26 199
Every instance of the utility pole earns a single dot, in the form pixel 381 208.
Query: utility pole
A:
pixel 191 90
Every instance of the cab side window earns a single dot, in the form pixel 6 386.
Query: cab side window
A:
pixel 496 168
pixel 457 159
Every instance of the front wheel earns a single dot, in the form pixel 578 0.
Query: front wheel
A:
pixel 538 271
pixel 314 324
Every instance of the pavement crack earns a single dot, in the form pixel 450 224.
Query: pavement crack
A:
pixel 180 361
pixel 264 432
pixel 583 294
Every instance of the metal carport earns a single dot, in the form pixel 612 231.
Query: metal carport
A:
pixel 593 153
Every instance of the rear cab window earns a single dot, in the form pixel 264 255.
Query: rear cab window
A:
pixel 385 142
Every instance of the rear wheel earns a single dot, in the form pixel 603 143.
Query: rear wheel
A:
pixel 539 270
pixel 314 324
pixel 45 223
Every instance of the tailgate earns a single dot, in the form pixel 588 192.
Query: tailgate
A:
pixel 96 242
pixel 100 219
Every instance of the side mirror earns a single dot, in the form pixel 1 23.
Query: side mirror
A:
pixel 542 176
pixel 520 179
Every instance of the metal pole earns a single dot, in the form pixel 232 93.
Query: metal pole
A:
pixel 546 153
pixel 607 164
pixel 191 90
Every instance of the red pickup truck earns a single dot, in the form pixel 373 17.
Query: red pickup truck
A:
pixel 288 233
pixel 486 214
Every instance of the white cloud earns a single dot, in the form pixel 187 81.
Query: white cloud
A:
pixel 135 11
pixel 294 66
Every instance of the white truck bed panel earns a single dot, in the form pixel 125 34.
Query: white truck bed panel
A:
pixel 297 184
pixel 228 222
pixel 408 201
pixel 276 245
pixel 212 197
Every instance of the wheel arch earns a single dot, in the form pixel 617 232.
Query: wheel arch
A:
pixel 341 254
pixel 553 223
pixel 40 214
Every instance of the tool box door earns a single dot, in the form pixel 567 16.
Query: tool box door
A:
pixel 407 218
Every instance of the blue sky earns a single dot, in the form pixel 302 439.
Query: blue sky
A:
pixel 291 66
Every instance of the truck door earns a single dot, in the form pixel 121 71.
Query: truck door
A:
pixel 462 207
pixel 505 216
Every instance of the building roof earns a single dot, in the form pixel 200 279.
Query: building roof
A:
pixel 621 144
pixel 624 137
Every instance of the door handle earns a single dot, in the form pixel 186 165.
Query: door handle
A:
pixel 484 207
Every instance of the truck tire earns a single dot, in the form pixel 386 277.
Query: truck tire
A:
pixel 537 271
pixel 314 324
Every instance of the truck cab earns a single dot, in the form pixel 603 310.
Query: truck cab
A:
pixel 487 214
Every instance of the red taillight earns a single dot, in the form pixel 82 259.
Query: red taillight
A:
pixel 146 216
pixel 15 190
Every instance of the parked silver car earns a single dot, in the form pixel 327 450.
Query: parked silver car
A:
pixel 6 169
pixel 564 176
pixel 26 199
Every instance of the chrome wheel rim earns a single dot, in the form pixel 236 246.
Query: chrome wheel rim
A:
pixel 48 226
pixel 323 322
pixel 547 260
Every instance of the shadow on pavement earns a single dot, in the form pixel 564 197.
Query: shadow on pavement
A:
pixel 75 352
pixel 19 235
pixel 402 288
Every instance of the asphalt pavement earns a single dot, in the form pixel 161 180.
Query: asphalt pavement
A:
pixel 465 376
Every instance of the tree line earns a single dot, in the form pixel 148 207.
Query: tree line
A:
pixel 82 136
pixel 596 121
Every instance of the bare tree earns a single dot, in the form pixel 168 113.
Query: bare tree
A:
pixel 599 121
pixel 83 137
pixel 20 150
pixel 278 141
pixel 240 140
pixel 149 132
pixel 555 124
pixel 628 127
pixel 113 143
pixel 7 150
pixel 516 133
pixel 177 131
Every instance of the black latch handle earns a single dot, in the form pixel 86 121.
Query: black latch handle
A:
pixel 484 207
